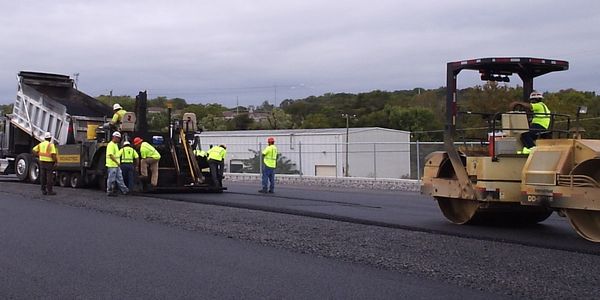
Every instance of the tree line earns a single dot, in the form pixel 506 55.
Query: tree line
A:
pixel 420 111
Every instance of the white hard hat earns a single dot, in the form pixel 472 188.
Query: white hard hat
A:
pixel 126 143
pixel 536 95
pixel 117 134
pixel 47 135
pixel 116 106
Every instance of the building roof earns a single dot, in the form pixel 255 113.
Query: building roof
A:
pixel 317 131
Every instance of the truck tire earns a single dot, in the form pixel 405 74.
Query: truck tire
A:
pixel 76 180
pixel 22 163
pixel 34 171
pixel 64 179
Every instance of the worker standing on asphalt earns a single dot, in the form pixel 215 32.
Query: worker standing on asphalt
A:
pixel 149 158
pixel 269 165
pixel 46 152
pixel 117 116
pixel 129 159
pixel 216 163
pixel 112 165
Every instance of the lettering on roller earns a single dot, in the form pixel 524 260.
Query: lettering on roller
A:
pixel 73 158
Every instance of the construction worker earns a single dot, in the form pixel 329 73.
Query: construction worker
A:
pixel 112 165
pixel 149 158
pixel 539 123
pixel 129 159
pixel 216 163
pixel 46 152
pixel 117 116
pixel 269 165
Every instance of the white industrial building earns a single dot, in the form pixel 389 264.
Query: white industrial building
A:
pixel 371 152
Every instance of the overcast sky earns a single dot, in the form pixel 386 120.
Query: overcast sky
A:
pixel 220 51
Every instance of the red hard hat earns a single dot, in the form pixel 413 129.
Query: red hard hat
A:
pixel 271 140
pixel 137 141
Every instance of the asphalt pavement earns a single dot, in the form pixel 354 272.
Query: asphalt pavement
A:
pixel 48 250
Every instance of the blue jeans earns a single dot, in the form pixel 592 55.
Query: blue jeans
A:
pixel 128 174
pixel 528 138
pixel 115 176
pixel 268 178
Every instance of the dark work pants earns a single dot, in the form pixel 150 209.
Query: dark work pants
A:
pixel 47 175
pixel 128 174
pixel 216 172
pixel 528 138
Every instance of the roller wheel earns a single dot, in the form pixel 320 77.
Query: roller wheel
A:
pixel 585 222
pixel 34 171
pixel 22 163
pixel 458 211
pixel 64 179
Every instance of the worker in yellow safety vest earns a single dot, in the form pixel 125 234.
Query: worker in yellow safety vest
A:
pixel 129 159
pixel 47 155
pixel 117 117
pixel 269 165
pixel 149 158
pixel 539 123
pixel 115 175
pixel 216 163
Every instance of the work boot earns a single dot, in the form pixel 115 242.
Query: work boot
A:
pixel 262 191
pixel 271 191
pixel 51 193
pixel 525 151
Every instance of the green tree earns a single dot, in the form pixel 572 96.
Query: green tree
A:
pixel 284 165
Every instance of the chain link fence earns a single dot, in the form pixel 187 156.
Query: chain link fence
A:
pixel 400 160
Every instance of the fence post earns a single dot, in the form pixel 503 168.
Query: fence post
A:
pixel 300 156
pixel 336 160
pixel 375 160
pixel 418 161
pixel 260 158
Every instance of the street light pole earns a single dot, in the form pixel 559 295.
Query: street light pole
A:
pixel 347 116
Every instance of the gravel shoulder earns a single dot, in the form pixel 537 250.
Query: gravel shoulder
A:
pixel 505 269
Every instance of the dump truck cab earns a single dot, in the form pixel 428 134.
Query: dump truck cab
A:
pixel 489 182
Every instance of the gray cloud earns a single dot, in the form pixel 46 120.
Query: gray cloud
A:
pixel 253 50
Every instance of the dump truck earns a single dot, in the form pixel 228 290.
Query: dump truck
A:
pixel 78 124
pixel 490 182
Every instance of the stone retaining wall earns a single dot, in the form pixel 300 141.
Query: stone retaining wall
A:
pixel 350 182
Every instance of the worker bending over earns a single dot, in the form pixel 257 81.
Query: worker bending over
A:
pixel 216 163
pixel 149 158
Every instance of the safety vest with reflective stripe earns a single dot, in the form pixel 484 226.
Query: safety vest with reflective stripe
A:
pixel 200 153
pixel 112 148
pixel 118 116
pixel 146 150
pixel 45 150
pixel 217 153
pixel 128 155
pixel 270 156
pixel 541 114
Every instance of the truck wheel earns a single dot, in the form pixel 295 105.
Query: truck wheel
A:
pixel 34 171
pixel 76 180
pixel 64 179
pixel 22 166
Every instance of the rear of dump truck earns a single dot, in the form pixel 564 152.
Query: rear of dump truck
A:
pixel 48 103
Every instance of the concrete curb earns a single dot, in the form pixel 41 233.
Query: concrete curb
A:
pixel 349 182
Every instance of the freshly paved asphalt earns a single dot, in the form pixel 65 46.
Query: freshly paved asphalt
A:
pixel 53 251
pixel 408 210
